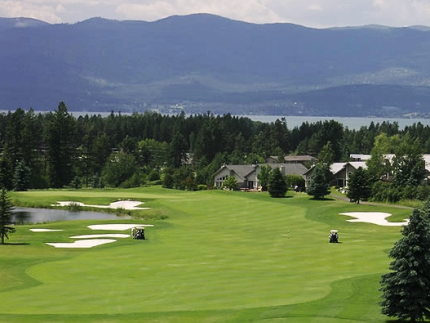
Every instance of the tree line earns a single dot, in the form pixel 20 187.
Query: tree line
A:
pixel 57 149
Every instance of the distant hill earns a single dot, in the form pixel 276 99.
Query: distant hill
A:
pixel 203 62
pixel 7 23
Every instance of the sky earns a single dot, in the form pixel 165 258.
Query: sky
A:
pixel 310 13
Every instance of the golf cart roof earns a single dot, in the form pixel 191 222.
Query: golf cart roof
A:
pixel 334 231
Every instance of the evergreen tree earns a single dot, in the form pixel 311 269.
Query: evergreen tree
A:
pixel 6 173
pixel 178 151
pixel 277 186
pixel 406 289
pixel 62 147
pixel 22 177
pixel 319 185
pixel 6 207
pixel 359 186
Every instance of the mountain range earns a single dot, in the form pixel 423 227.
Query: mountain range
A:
pixel 201 62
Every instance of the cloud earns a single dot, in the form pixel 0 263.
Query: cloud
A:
pixel 45 12
pixel 312 13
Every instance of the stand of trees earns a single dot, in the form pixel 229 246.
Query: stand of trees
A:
pixel 56 149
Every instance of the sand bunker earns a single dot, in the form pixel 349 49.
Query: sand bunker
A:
pixel 44 230
pixel 378 218
pixel 117 227
pixel 126 205
pixel 110 235
pixel 82 243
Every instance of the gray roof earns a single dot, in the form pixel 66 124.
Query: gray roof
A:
pixel 290 168
pixel 241 170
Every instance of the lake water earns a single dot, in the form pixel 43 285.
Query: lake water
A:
pixel 34 215
pixel 293 121
pixel 351 123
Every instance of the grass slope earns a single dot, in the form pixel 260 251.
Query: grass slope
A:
pixel 218 257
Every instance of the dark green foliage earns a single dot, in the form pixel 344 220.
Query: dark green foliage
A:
pixel 264 176
pixel 61 146
pixel 167 180
pixel 22 177
pixel 6 207
pixel 183 179
pixel 409 164
pixel 406 289
pixel 119 168
pixel 296 180
pixel 178 151
pixel 277 186
pixel 359 186
pixel 57 147
pixel 318 185
pixel 154 175
pixel 6 172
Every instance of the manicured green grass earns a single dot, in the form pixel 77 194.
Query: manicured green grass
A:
pixel 217 257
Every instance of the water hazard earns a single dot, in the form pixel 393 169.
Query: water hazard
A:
pixel 34 215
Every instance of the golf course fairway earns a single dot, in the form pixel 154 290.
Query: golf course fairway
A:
pixel 210 256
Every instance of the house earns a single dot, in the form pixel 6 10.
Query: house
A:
pixel 341 172
pixel 247 175
pixel 291 159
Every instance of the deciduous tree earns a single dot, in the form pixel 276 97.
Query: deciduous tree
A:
pixel 264 176
pixel 359 187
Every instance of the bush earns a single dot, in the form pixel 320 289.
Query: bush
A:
pixel 202 187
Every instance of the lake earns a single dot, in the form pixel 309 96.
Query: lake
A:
pixel 351 123
pixel 292 121
pixel 34 215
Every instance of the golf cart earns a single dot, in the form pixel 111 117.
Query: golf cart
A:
pixel 333 236
pixel 138 233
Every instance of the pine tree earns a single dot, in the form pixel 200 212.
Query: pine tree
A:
pixel 406 289
pixel 319 185
pixel 5 216
pixel 278 186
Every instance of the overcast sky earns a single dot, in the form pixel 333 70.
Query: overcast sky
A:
pixel 311 13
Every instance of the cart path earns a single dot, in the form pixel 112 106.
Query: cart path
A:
pixel 344 198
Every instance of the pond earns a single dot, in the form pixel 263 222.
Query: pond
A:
pixel 33 215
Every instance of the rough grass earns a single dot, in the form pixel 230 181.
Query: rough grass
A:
pixel 219 257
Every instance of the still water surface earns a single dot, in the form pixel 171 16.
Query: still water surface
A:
pixel 351 123
pixel 33 215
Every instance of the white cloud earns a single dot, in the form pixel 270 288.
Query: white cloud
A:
pixel 313 13
pixel 29 9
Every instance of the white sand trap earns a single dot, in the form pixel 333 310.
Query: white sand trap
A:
pixel 82 243
pixel 110 235
pixel 126 205
pixel 44 230
pixel 378 218
pixel 117 227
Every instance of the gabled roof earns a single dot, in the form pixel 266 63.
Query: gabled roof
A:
pixel 337 167
pixel 290 168
pixel 241 170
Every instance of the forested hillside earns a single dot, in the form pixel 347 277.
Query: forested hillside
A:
pixel 43 150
